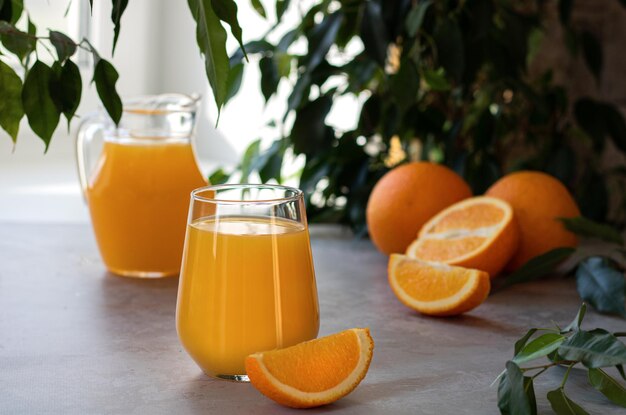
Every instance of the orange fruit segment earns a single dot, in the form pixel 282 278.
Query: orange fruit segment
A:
pixel 313 373
pixel 480 233
pixel 437 289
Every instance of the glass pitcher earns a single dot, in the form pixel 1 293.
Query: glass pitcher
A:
pixel 137 185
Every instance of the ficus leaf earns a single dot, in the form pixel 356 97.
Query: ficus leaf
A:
pixel 11 111
pixel 515 393
pixel 575 324
pixel 416 16
pixel 539 347
pixel 116 17
pixel 537 267
pixel 588 228
pixel 373 33
pixel 281 8
pixel 66 90
pixel 17 7
pixel 562 405
pixel 450 49
pixel 436 79
pixel 601 285
pixel 248 159
pixel 258 7
pixel 64 46
pixel 272 166
pixel 608 386
pixel 17 42
pixel 269 76
pixel 226 11
pixel 405 84
pixel 616 126
pixel 522 341
pixel 219 176
pixel 235 76
pixel 42 113
pixel 593 350
pixel 211 38
pixel 321 39
pixel 105 77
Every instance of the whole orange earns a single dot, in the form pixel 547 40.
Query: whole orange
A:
pixel 405 198
pixel 538 200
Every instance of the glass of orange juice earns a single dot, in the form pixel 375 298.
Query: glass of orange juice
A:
pixel 247 282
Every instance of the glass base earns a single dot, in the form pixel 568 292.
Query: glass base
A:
pixel 232 378
pixel 142 274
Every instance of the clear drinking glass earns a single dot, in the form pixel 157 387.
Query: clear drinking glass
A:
pixel 247 282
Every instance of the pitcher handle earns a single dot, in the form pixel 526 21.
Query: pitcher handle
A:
pixel 86 132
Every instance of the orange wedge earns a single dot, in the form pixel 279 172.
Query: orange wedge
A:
pixel 313 373
pixel 479 233
pixel 437 289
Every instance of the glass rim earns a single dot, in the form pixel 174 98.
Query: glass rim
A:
pixel 141 104
pixel 297 194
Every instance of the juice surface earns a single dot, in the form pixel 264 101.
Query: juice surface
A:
pixel 138 199
pixel 247 285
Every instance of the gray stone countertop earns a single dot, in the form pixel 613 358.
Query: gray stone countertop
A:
pixel 77 340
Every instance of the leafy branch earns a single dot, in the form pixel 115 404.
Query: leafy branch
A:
pixel 594 350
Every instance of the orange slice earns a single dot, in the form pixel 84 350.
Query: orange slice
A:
pixel 313 373
pixel 437 289
pixel 479 233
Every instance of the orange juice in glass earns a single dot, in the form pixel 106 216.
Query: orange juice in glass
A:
pixel 247 279
pixel 139 185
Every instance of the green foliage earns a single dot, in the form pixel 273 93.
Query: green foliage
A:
pixel 600 283
pixel 450 79
pixel 49 91
pixel 569 347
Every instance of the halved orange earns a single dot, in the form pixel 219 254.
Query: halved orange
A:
pixel 480 233
pixel 437 289
pixel 315 372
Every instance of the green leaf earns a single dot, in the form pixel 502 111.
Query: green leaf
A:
pixel 321 39
pixel 19 43
pixel 405 84
pixel 310 134
pixel 258 7
pixel 373 33
pixel 516 394
pixel 6 10
pixel 248 160
pixel 66 89
pixel 416 17
pixel 17 10
pixel 620 369
pixel 105 77
pixel 272 166
pixel 562 405
pixel 43 115
pixel 537 267
pixel 11 111
pixel 219 176
pixel 269 76
pixel 575 324
pixel 601 285
pixel 281 8
pixel 539 347
pixel 593 350
pixel 116 17
pixel 450 49
pixel 608 386
pixel 436 79
pixel 226 10
pixel 592 51
pixel 522 342
pixel 235 76
pixel 588 228
pixel 211 38
pixel 64 46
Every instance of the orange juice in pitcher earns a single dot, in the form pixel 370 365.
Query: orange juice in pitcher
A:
pixel 138 189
